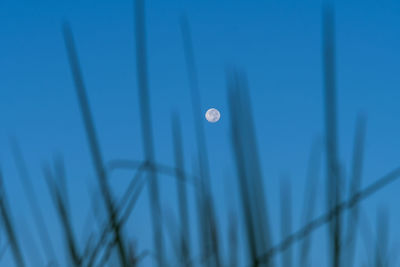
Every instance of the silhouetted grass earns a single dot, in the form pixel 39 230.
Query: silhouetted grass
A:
pixel 106 235
pixel 208 231
pixel 182 194
pixel 55 191
pixel 147 132
pixel 25 178
pixel 356 176
pixel 332 161
pixel 9 226
pixel 313 169
pixel 93 142
pixel 286 219
pixel 332 214
pixel 248 170
pixel 233 255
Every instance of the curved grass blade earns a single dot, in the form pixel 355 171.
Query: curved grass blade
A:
pixel 327 217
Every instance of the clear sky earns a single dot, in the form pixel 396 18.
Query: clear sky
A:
pixel 277 44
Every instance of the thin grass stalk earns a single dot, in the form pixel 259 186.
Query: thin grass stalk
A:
pixel 327 217
pixel 124 207
pixel 366 237
pixel 233 229
pixel 124 164
pixel 195 100
pixel 333 177
pixel 254 174
pixel 9 226
pixel 174 232
pixel 62 180
pixel 313 170
pixel 241 174
pixel 286 219
pixel 134 188
pixel 382 240
pixel 93 142
pixel 147 132
pixel 55 192
pixel 209 239
pixel 248 169
pixel 358 152
pixel 181 190
pixel 25 179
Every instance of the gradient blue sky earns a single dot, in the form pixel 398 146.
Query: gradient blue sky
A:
pixel 278 45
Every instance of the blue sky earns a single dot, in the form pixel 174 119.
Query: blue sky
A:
pixel 277 44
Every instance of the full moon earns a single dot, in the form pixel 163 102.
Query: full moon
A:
pixel 213 115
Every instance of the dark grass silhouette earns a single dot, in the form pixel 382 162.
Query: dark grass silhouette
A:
pixel 105 244
pixel 313 170
pixel 9 226
pixel 333 182
pixel 209 239
pixel 25 178
pixel 184 238
pixel 147 132
pixel 93 143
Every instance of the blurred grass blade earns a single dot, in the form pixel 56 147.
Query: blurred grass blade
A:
pixel 181 189
pixel 32 199
pixel 64 218
pixel 313 170
pixel 233 246
pixel 286 219
pixel 382 239
pixel 356 176
pixel 93 142
pixel 333 177
pixel 124 208
pixel 9 226
pixel 208 234
pixel 331 214
pixel 241 175
pixel 250 179
pixel 147 132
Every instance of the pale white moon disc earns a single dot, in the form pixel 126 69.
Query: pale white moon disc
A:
pixel 213 115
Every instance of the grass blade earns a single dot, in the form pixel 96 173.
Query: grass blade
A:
pixel 382 240
pixel 331 214
pixel 8 225
pixel 358 152
pixel 249 171
pixel 147 133
pixel 93 142
pixel 32 199
pixel 64 217
pixel 333 176
pixel 233 241
pixel 181 189
pixel 208 234
pixel 313 171
pixel 286 219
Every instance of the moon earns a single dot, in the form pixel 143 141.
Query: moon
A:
pixel 212 115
